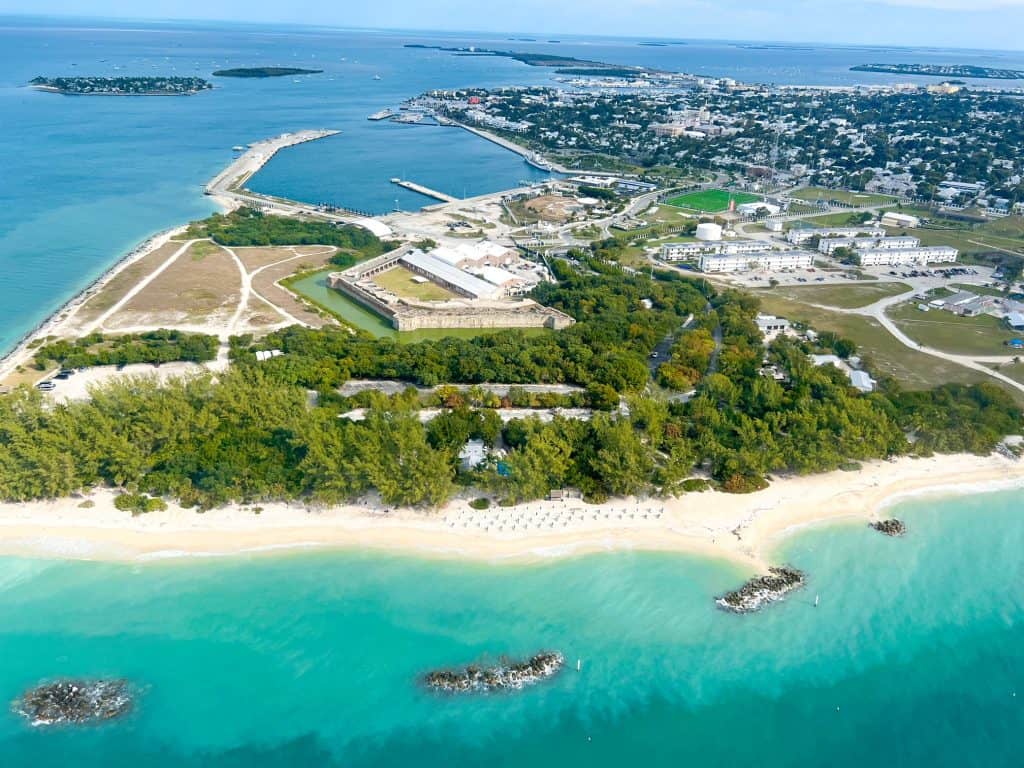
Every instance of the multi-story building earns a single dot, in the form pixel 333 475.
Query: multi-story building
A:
pixel 771 261
pixel 828 245
pixel 801 236
pixel 901 257
pixel 682 251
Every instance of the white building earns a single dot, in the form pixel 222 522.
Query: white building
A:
pixel 450 276
pixel 828 245
pixel 771 261
pixel 759 208
pixel 682 251
pixel 893 219
pixel 771 326
pixel 894 257
pixel 801 236
pixel 484 253
pixel 510 284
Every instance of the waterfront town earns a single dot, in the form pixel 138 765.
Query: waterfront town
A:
pixel 712 230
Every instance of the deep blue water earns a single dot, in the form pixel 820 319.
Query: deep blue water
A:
pixel 82 180
pixel 912 659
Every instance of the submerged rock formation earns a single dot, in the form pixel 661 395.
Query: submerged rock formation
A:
pixel 761 590
pixel 75 701
pixel 502 676
pixel 891 527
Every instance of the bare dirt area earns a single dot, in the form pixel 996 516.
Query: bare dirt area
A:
pixel 255 258
pixel 201 287
pixel 552 207
pixel 289 308
pixel 123 282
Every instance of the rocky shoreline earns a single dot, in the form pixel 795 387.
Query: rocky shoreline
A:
pixel 890 527
pixel 506 675
pixel 762 590
pixel 75 702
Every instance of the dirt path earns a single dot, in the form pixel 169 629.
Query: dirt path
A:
pixel 137 288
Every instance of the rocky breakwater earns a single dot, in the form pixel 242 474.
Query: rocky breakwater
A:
pixel 762 590
pixel 77 702
pixel 506 675
pixel 891 527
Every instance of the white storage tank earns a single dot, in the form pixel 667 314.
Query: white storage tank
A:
pixel 709 231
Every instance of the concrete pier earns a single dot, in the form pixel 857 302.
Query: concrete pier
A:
pixel 425 190
pixel 229 182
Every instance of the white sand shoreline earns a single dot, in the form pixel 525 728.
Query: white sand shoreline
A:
pixel 54 323
pixel 740 529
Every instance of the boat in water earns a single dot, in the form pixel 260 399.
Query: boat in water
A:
pixel 540 163
pixel 238 148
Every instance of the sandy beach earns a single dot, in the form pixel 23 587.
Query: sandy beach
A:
pixel 62 322
pixel 743 529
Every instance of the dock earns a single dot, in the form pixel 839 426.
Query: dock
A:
pixel 425 190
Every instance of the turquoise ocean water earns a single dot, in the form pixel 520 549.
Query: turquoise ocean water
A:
pixel 912 658
pixel 312 659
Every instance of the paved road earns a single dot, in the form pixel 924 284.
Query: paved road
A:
pixel 877 311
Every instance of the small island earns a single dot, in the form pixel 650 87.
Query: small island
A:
pixel 942 70
pixel 121 86
pixel 76 702
pixel 265 72
pixel 505 675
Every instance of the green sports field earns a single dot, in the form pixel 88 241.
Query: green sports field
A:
pixel 711 200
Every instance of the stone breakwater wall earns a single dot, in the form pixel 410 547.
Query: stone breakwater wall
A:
pixel 506 675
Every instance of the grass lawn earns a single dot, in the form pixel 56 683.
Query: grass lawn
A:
pixel 844 219
pixel 981 335
pixel 712 200
pixel 914 370
pixel 843 196
pixel 984 290
pixel 843 296
pixel 400 281
pixel 1014 370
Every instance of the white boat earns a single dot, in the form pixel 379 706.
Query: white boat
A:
pixel 238 148
pixel 376 77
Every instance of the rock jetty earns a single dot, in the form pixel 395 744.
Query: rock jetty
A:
pixel 891 527
pixel 761 590
pixel 76 702
pixel 506 675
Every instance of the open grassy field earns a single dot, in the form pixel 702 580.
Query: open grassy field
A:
pixel 914 370
pixel 981 335
pixel 999 236
pixel 1014 370
pixel 844 296
pixel 843 219
pixel 712 200
pixel 843 196
pixel 401 282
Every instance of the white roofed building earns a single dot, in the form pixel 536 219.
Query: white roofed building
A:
pixel 771 261
pixel 893 257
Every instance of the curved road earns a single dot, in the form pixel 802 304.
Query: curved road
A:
pixel 877 311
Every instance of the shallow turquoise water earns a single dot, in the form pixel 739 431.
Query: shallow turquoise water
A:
pixel 313 658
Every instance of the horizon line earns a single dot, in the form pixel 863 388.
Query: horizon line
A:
pixel 572 35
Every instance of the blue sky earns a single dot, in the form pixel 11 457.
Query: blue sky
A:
pixel 947 23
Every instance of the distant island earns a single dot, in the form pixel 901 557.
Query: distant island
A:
pixel 122 86
pixel 265 72
pixel 942 70
pixel 566 65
